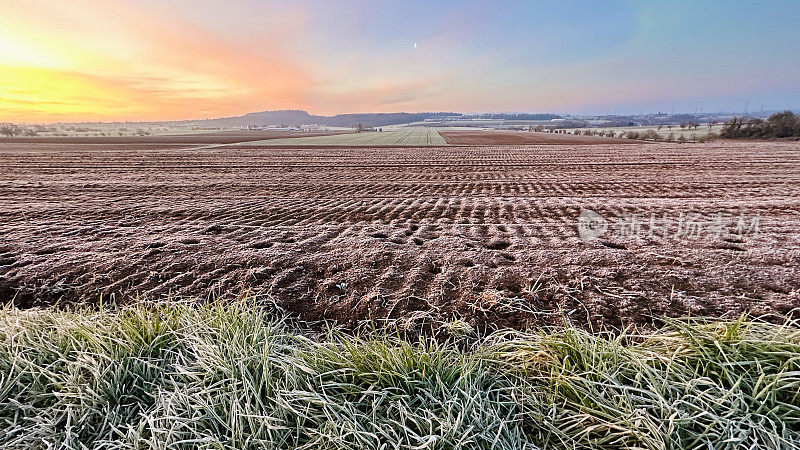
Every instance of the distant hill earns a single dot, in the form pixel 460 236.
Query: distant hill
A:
pixel 263 118
pixel 299 117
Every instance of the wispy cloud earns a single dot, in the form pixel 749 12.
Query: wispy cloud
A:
pixel 161 67
pixel 116 60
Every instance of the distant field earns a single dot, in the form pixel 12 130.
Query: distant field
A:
pixel 469 137
pixel 431 137
pixel 474 123
pixel 412 137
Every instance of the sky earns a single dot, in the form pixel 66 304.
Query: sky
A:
pixel 109 60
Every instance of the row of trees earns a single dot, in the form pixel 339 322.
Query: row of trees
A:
pixel 11 130
pixel 783 125
pixel 689 125
pixel 646 135
pixel 652 135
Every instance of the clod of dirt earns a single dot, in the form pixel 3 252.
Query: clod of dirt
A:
pixel 729 246
pixel 46 251
pixel 498 245
pixel 612 244
pixel 214 229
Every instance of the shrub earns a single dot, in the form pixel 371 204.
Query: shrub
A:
pixel 708 137
pixel 650 135
pixel 632 135
pixel 783 125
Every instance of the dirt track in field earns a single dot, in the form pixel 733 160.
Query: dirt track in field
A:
pixel 405 236
pixel 525 138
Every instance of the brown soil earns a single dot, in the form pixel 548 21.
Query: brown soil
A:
pixel 405 236
pixel 525 138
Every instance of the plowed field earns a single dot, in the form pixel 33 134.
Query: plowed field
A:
pixel 410 237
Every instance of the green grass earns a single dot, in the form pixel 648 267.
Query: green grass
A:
pixel 409 137
pixel 232 376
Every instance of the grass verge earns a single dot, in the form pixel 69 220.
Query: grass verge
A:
pixel 232 376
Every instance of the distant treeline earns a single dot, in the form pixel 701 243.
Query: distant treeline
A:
pixel 515 116
pixel 782 125
pixel 378 119
pixel 299 117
